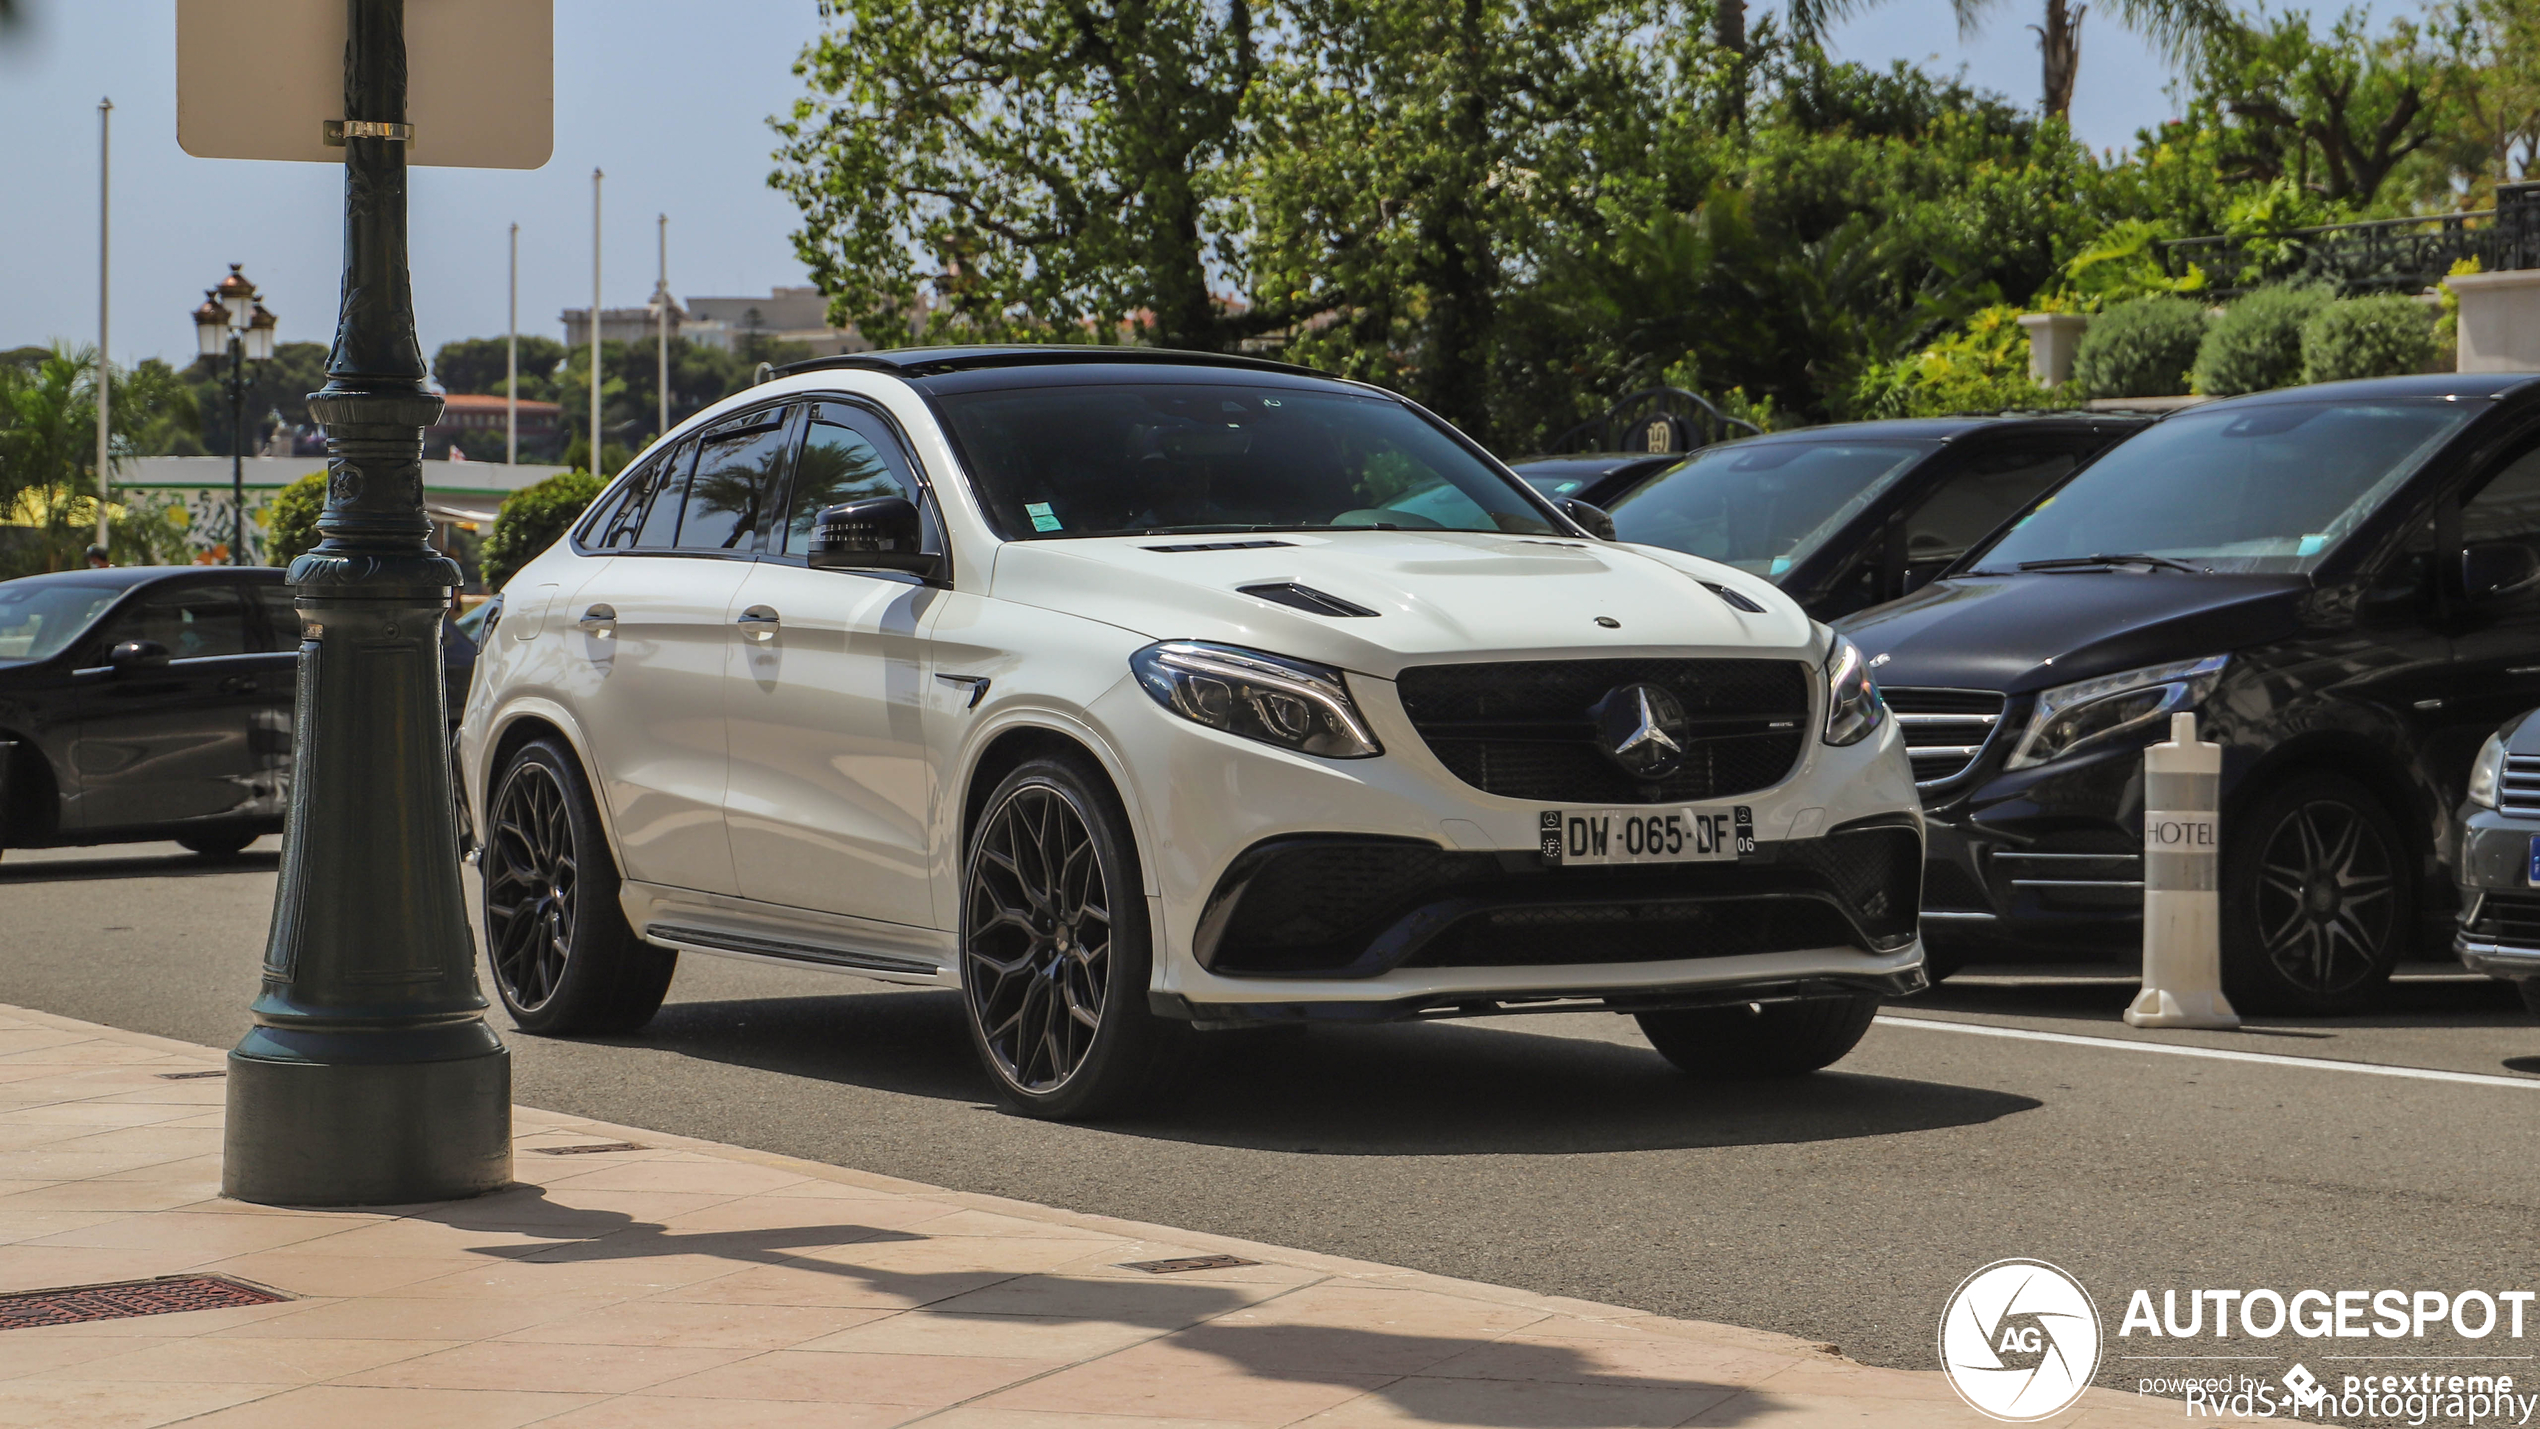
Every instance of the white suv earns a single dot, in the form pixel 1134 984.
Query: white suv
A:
pixel 1131 692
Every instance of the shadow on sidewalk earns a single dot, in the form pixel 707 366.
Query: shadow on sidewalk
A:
pixel 102 865
pixel 1272 1332
pixel 1437 1089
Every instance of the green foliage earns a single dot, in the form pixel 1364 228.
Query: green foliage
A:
pixel 481 365
pixel 532 519
pixel 2121 264
pixel 281 385
pixel 291 521
pixel 630 411
pixel 1980 366
pixel 2257 343
pixel 2382 336
pixel 148 530
pixel 2142 348
pixel 2333 115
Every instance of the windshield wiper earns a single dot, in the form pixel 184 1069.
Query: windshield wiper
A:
pixel 2083 563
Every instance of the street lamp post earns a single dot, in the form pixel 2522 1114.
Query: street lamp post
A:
pixel 232 322
pixel 371 1077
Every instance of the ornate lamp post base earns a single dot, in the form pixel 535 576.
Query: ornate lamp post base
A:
pixel 353 1134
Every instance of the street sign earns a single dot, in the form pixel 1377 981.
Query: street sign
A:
pixel 264 79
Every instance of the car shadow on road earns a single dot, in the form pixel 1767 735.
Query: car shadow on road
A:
pixel 2408 1002
pixel 172 865
pixel 1292 1340
pixel 1435 1089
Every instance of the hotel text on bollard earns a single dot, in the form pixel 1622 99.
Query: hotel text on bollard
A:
pixel 2182 914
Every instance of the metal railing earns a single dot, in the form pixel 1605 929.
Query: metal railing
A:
pixel 2404 255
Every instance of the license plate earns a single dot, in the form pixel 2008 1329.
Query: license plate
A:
pixel 1595 837
pixel 2535 861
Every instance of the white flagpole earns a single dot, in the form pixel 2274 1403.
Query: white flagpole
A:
pixel 511 364
pixel 105 368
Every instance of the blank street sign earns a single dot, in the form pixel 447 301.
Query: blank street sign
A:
pixel 260 79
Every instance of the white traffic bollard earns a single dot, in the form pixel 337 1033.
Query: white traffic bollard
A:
pixel 2182 912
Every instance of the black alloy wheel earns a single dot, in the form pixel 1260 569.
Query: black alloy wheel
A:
pixel 215 846
pixel 2316 899
pixel 1757 1040
pixel 563 957
pixel 1054 954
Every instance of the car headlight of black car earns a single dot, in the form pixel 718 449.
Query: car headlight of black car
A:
pixel 2075 716
pixel 1271 698
pixel 2487 772
pixel 1853 706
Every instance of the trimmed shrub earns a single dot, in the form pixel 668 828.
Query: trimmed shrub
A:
pixel 2381 336
pixel 532 519
pixel 2257 342
pixel 2139 349
pixel 291 522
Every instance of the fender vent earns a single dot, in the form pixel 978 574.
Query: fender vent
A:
pixel 1305 598
pixel 1734 600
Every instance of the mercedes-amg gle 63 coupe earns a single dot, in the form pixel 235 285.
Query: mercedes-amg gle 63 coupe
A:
pixel 1137 695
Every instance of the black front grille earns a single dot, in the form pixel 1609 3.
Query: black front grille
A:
pixel 1357 907
pixel 2519 791
pixel 2508 918
pixel 1944 729
pixel 1521 729
pixel 1947 886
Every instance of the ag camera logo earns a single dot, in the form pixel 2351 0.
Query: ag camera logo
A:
pixel 2019 1340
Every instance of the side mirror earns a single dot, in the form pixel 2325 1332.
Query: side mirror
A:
pixel 881 533
pixel 137 655
pixel 1593 519
pixel 2499 572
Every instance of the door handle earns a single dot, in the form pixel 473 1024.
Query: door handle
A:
pixel 599 620
pixel 238 685
pixel 759 622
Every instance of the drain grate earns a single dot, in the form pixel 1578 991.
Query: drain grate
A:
pixel 188 1076
pixel 1188 1262
pixel 123 1299
pixel 588 1148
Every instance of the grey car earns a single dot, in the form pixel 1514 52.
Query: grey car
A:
pixel 2498 859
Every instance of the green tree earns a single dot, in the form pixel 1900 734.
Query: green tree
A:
pixel 2336 114
pixel 291 522
pixel 481 365
pixel 532 519
pixel 1041 168
pixel 2177 28
pixel 48 454
pixel 281 384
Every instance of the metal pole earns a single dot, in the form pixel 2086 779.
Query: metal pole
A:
pixel 595 324
pixel 105 368
pixel 511 364
pixel 371 1077
pixel 661 288
pixel 237 450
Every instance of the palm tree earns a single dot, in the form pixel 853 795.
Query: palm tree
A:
pixel 2176 28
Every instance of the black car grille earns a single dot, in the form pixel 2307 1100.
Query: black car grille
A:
pixel 1948 887
pixel 2519 793
pixel 2512 918
pixel 1944 729
pixel 1358 907
pixel 1521 729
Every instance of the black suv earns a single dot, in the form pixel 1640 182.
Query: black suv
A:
pixel 2343 580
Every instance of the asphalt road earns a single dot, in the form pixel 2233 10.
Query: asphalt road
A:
pixel 1557 1152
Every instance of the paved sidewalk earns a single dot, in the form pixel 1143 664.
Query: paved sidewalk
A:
pixel 691 1284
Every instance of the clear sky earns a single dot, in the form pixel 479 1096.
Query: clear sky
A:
pixel 670 98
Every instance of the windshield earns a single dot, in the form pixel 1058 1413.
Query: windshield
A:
pixel 2251 489
pixel 1143 459
pixel 39 618
pixel 1762 507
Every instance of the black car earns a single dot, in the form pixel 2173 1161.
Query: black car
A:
pixel 1847 516
pixel 2498 865
pixel 153 702
pixel 2343 580
pixel 1597 478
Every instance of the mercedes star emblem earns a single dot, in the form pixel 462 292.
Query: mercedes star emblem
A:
pixel 1643 729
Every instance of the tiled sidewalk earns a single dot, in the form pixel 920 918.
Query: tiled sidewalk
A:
pixel 692 1284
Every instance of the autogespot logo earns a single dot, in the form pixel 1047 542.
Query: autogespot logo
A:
pixel 2020 1340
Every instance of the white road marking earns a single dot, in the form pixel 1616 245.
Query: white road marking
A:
pixel 2218 1054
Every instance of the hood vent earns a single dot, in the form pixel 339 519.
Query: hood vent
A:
pixel 1219 546
pixel 1305 598
pixel 1734 600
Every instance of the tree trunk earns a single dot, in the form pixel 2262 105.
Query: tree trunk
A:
pixel 1728 31
pixel 2059 46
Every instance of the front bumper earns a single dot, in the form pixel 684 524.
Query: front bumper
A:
pixel 2048 858
pixel 2499 930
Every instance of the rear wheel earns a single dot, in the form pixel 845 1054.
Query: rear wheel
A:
pixel 564 958
pixel 2317 903
pixel 1769 1039
pixel 215 846
pixel 1054 946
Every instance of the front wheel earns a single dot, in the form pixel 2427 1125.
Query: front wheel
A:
pixel 1054 946
pixel 2317 901
pixel 563 957
pixel 1761 1039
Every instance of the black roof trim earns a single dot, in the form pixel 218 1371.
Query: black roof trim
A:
pixel 927 361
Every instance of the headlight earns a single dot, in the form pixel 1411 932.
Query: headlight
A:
pixel 2488 772
pixel 1276 700
pixel 1853 706
pixel 2069 717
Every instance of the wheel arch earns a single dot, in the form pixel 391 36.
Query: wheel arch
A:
pixel 1001 751
pixel 520 725
pixel 2412 805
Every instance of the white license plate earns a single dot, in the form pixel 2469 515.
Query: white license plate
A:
pixel 1682 834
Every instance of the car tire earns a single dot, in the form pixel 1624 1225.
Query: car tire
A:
pixel 215 846
pixel 1769 1039
pixel 1055 948
pixel 2318 901
pixel 563 957
pixel 2530 989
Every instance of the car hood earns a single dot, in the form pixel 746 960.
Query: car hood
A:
pixel 2026 632
pixel 1471 594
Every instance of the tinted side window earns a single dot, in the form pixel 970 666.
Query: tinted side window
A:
pixel 846 456
pixel 735 481
pixel 611 524
pixel 2508 507
pixel 657 529
pixel 193 621
pixel 282 615
pixel 1970 502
